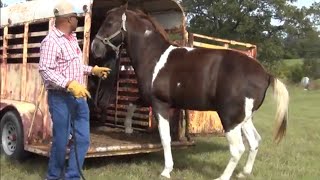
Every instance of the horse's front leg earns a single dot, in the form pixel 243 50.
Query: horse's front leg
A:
pixel 161 111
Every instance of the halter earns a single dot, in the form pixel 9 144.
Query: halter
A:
pixel 107 40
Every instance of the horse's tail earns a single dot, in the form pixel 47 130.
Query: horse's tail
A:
pixel 281 96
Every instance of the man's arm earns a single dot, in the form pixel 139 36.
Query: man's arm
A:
pixel 49 52
pixel 87 70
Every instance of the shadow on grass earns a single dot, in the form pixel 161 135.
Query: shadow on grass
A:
pixel 182 158
pixel 37 165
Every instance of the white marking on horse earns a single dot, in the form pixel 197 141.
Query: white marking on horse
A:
pixel 248 108
pixel 162 61
pixel 189 48
pixel 236 150
pixel 236 145
pixel 178 84
pixel 147 33
pixel 253 137
pixel 164 130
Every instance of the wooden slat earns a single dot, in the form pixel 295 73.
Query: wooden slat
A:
pixel 39 33
pixel 122 126
pixel 81 28
pixel 128 89
pixel 86 40
pixel 125 60
pixel 127 98
pixel 3 83
pixel 20 46
pixel 31 55
pixel 132 81
pixel 15 36
pixel 121 120
pixel 126 72
pixel 31 34
pixel 125 107
pixel 46 119
pixel 124 113
pixel 24 63
pixel 16 46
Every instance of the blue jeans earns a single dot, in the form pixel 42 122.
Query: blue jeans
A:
pixel 66 109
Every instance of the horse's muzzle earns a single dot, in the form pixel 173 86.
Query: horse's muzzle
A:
pixel 98 49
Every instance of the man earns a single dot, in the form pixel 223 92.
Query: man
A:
pixel 63 75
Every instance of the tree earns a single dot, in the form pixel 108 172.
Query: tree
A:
pixel 2 4
pixel 251 21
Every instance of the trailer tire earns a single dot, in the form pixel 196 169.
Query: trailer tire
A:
pixel 12 138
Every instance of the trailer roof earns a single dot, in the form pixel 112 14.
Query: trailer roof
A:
pixel 42 9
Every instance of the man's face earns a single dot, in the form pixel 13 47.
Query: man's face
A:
pixel 73 20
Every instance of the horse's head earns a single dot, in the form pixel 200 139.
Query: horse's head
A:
pixel 111 33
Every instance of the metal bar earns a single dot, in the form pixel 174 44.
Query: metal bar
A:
pixel 206 45
pixel 224 40
pixel 24 63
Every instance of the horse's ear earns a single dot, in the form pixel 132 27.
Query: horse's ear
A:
pixel 125 6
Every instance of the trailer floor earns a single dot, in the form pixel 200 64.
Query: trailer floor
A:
pixel 106 141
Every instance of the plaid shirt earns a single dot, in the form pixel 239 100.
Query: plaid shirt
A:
pixel 61 60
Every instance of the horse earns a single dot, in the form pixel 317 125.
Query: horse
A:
pixel 170 76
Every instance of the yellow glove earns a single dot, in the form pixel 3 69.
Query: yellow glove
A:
pixel 78 90
pixel 101 72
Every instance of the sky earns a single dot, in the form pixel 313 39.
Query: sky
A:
pixel 299 3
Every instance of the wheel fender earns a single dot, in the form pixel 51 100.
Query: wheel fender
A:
pixel 26 111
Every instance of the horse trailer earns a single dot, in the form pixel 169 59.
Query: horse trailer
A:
pixel 25 119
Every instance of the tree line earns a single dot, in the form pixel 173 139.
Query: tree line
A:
pixel 279 29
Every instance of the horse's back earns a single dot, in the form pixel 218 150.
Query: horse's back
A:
pixel 241 76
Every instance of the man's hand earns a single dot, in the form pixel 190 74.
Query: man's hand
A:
pixel 78 90
pixel 101 72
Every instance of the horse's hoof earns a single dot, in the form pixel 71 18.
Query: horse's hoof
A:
pixel 166 173
pixel 242 175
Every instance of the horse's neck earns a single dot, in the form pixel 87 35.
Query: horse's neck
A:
pixel 145 52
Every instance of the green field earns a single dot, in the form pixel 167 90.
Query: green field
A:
pixel 296 158
pixel 292 62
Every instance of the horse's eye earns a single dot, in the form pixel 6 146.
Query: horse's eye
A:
pixel 108 24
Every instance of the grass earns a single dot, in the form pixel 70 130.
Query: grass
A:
pixel 292 62
pixel 296 158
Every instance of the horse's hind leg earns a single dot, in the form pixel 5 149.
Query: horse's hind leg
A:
pixel 236 149
pixel 162 115
pixel 253 138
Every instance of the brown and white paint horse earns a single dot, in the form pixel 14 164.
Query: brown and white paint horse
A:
pixel 169 76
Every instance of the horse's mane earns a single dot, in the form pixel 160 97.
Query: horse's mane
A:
pixel 155 24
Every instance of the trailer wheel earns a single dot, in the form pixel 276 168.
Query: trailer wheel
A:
pixel 11 129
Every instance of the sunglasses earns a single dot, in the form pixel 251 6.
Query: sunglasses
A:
pixel 74 16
